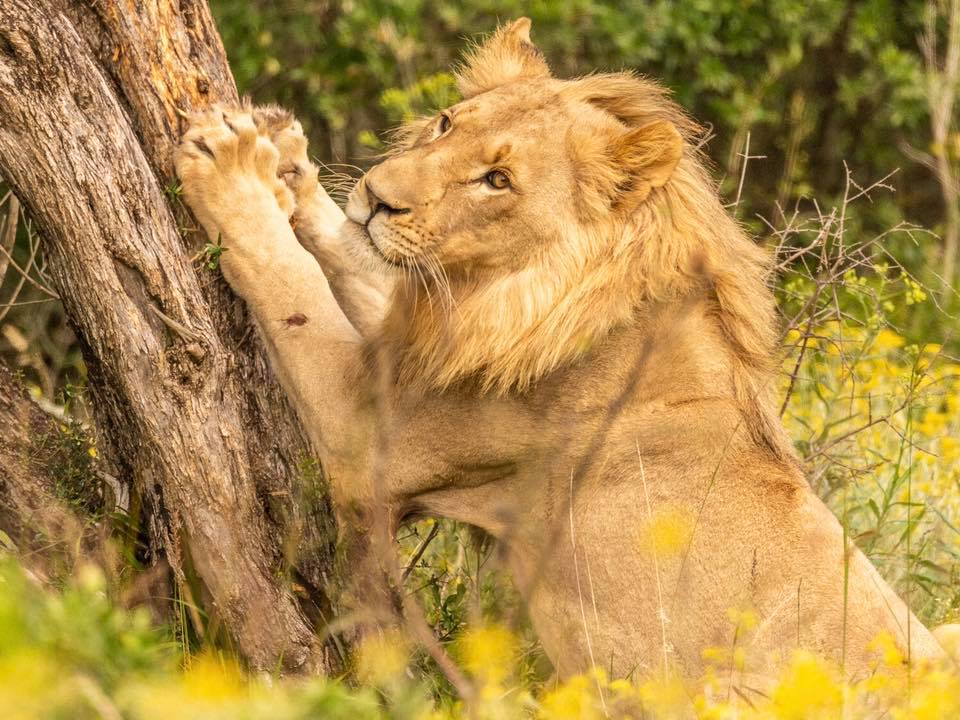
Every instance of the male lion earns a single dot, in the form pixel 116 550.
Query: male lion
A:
pixel 572 348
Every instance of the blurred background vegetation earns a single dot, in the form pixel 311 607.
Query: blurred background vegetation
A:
pixel 807 104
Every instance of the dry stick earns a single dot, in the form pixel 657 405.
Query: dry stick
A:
pixel 177 327
pixel 593 596
pixel 796 367
pixel 418 553
pixel 24 276
pixel 13 304
pixel 610 414
pixel 747 157
pixel 656 561
pixel 909 532
pixel 25 271
pixel 412 613
pixel 703 504
pixel 414 618
pixel 799 585
pixel 941 95
pixel 875 421
pixel 837 267
pixel 612 410
pixel 743 170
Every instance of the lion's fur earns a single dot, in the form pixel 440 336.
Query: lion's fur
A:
pixel 507 330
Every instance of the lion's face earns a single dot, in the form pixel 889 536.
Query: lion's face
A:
pixel 484 184
pixel 522 164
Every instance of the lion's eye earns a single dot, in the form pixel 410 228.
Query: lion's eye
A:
pixel 444 124
pixel 497 179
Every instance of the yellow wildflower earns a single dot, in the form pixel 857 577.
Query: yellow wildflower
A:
pixel 666 533
pixel 382 659
pixel 488 653
pixel 808 690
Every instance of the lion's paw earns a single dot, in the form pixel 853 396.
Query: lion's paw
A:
pixel 228 170
pixel 286 134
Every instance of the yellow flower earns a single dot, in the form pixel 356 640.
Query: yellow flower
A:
pixel 949 448
pixel 574 700
pixel 382 658
pixel 665 698
pixel 666 533
pixel 743 620
pixel 32 685
pixel 808 690
pixel 211 688
pixel 887 339
pixel 212 679
pixel 488 653
pixel 935 696
pixel 716 655
pixel 886 646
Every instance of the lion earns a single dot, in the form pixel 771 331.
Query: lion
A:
pixel 537 317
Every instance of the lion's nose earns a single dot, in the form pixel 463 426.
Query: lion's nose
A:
pixel 378 202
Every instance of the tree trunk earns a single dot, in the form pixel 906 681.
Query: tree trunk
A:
pixel 92 96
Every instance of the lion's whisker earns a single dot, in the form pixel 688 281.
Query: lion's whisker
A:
pixel 423 281
pixel 442 279
pixel 407 276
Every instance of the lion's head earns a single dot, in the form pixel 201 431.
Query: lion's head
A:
pixel 539 213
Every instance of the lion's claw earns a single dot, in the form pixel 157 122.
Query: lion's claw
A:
pixel 228 169
pixel 286 133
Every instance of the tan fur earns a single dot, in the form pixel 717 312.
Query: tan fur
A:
pixel 949 637
pixel 559 360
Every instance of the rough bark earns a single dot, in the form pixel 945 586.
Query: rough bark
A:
pixel 91 101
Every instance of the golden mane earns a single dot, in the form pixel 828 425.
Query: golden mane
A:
pixel 505 332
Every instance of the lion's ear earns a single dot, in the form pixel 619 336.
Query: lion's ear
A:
pixel 508 55
pixel 618 167
pixel 648 155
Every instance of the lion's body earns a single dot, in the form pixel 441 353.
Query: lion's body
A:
pixel 646 438
pixel 579 358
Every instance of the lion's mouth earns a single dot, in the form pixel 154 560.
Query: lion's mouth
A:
pixel 364 230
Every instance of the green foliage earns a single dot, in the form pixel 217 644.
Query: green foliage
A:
pixel 79 634
pixel 72 457
pixel 173 190
pixel 74 467
pixel 211 254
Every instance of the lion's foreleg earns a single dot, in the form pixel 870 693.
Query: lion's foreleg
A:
pixel 363 295
pixel 229 176
pixel 318 224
